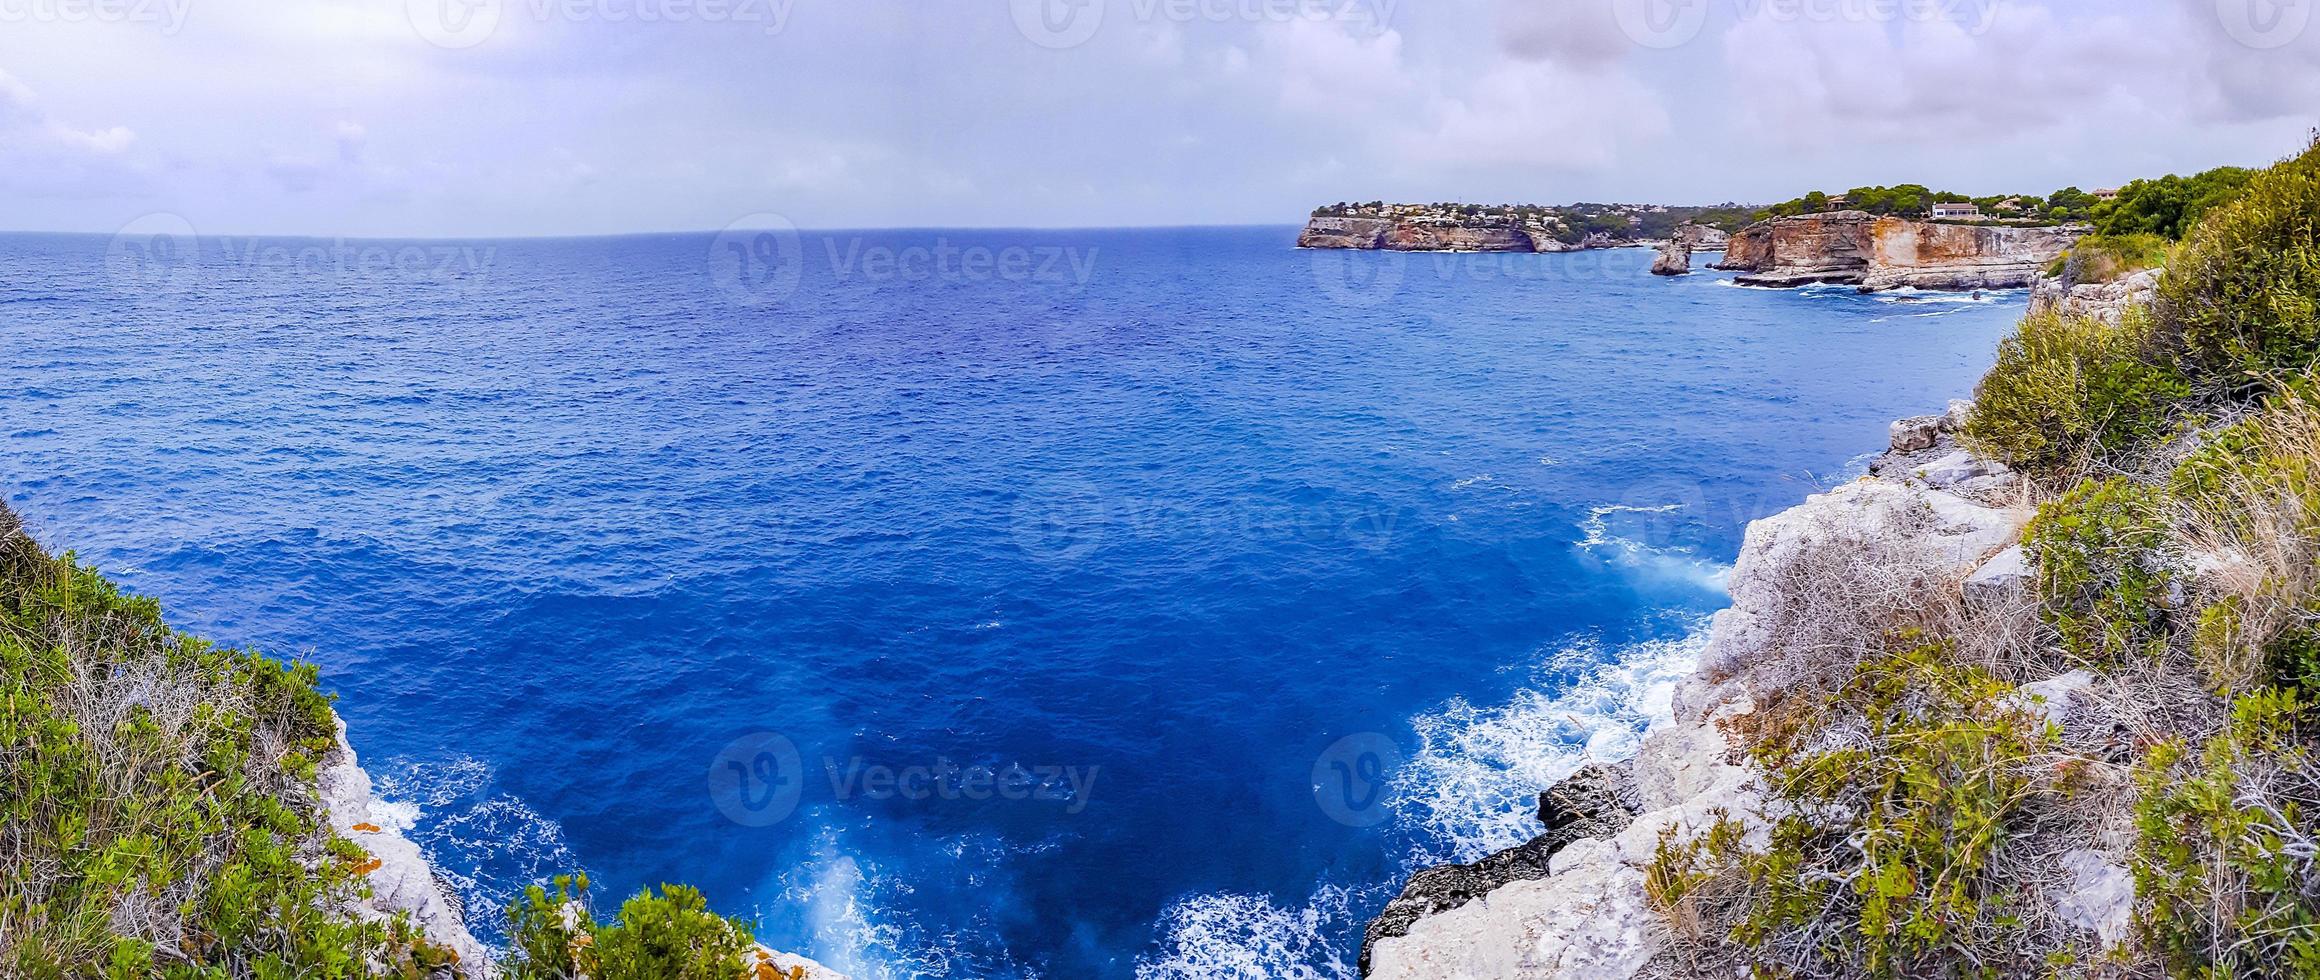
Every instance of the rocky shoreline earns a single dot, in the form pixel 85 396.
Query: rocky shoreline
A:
pixel 1414 235
pixel 402 882
pixel 1572 902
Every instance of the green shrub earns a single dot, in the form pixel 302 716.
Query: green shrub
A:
pixel 1881 863
pixel 2109 258
pixel 2244 290
pixel 2066 389
pixel 2251 491
pixel 158 813
pixel 2104 558
pixel 2223 859
pixel 669 936
pixel 2170 206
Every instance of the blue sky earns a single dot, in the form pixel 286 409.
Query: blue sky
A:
pixel 530 117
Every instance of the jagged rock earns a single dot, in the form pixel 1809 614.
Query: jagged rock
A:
pixel 1954 420
pixel 2100 897
pixel 1596 801
pixel 1961 469
pixel 782 963
pixel 1592 919
pixel 2101 300
pixel 1914 434
pixel 1675 259
pixel 2003 580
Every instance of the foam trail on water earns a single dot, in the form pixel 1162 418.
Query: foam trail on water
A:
pixel 1472 786
pixel 488 846
pixel 1249 937
pixel 1673 563
pixel 851 912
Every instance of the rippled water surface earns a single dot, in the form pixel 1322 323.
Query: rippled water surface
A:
pixel 1277 573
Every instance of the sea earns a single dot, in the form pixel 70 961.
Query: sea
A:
pixel 1136 603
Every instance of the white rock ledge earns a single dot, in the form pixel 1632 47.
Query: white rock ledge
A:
pixel 403 882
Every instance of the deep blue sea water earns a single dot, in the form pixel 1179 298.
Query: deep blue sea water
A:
pixel 1278 573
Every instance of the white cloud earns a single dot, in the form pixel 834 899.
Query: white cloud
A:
pixel 25 126
pixel 2034 69
pixel 1542 115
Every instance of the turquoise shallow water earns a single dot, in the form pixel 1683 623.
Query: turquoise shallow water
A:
pixel 967 603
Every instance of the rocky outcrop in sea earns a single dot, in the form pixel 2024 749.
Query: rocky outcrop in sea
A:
pixel 1881 253
pixel 1675 255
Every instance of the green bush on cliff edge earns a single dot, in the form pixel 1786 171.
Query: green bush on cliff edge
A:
pixel 157 807
pixel 159 816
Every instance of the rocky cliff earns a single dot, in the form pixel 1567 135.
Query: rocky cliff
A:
pixel 1577 905
pixel 1414 236
pixel 1876 253
pixel 2103 300
pixel 1435 235
pixel 1675 255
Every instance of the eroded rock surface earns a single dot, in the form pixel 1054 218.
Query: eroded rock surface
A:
pixel 1877 253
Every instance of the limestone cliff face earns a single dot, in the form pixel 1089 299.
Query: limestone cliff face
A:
pixel 1360 233
pixel 1799 251
pixel 1926 255
pixel 1403 235
pixel 1891 253
pixel 1414 236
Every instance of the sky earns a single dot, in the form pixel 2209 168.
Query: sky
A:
pixel 561 117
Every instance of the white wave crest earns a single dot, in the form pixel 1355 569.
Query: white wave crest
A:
pixel 1249 937
pixel 1472 786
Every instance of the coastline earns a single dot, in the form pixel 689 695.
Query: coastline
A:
pixel 1573 901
